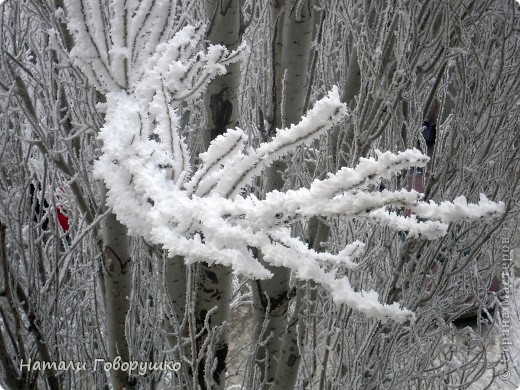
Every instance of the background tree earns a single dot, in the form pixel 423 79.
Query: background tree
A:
pixel 37 106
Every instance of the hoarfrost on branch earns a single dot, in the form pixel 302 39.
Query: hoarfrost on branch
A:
pixel 204 215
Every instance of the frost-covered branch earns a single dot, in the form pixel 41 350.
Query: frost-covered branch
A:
pixel 113 41
pixel 203 215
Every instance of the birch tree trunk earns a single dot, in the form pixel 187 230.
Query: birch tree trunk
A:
pixel 176 320
pixel 271 298
pixel 117 279
pixel 214 282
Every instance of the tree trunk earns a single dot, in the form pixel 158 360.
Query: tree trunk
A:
pixel 117 277
pixel 176 322
pixel 214 283
pixel 271 297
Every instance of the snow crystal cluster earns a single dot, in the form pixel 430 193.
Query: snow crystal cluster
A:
pixel 202 214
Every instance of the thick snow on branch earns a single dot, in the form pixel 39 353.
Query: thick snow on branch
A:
pixel 238 171
pixel 429 230
pixel 459 210
pixel 203 214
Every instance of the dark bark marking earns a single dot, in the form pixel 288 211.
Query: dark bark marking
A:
pixel 113 265
pixel 221 111
pixel 279 303
pixel 211 276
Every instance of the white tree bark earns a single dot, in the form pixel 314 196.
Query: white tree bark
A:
pixel 271 298
pixel 214 283
pixel 117 279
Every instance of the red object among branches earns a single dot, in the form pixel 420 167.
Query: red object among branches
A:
pixel 62 218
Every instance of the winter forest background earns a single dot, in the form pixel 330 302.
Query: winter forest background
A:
pixel 225 190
